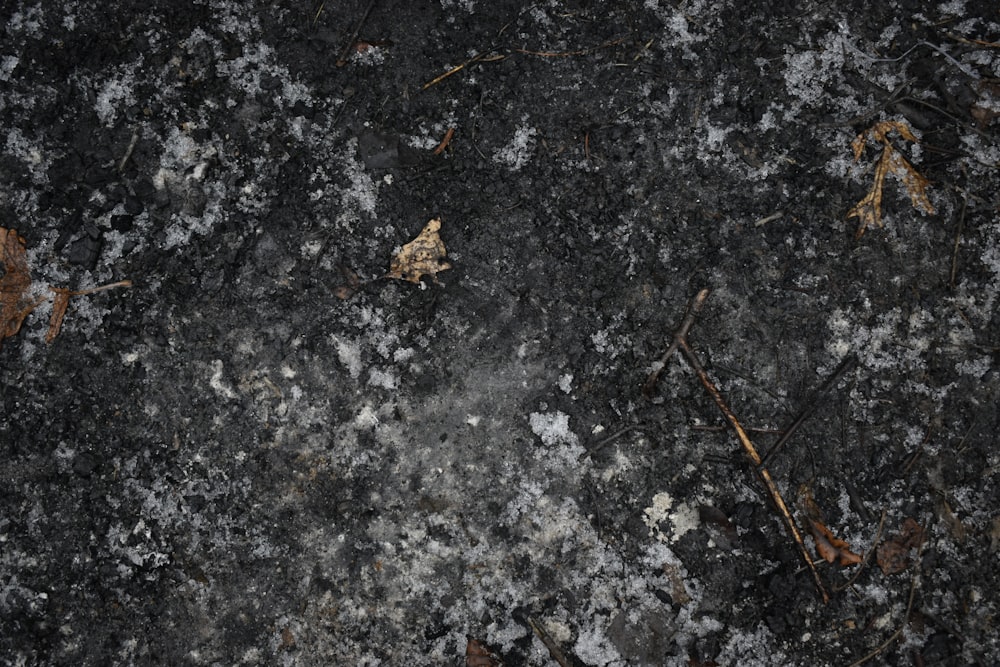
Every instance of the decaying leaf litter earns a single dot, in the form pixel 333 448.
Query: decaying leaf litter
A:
pixel 890 161
pixel 15 283
pixel 418 454
pixel 424 255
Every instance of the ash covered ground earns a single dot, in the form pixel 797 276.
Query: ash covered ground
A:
pixel 266 452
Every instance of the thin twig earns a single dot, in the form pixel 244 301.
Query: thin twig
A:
pixel 342 60
pixel 550 644
pixel 868 556
pixel 762 473
pixel 128 151
pixel 680 343
pixel 899 631
pixel 680 334
pixel 101 288
pixel 485 55
pixel 770 218
pixel 601 444
pixel 817 396
pixel 958 238
pixel 961 123
pixel 444 142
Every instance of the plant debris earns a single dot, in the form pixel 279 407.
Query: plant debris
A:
pixel 15 283
pixel 424 255
pixel 60 302
pixel 893 555
pixel 828 546
pixel 869 209
pixel 478 655
pixel 680 342
pixel 352 282
pixel 444 142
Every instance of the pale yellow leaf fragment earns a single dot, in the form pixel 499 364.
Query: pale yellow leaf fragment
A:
pixel 424 255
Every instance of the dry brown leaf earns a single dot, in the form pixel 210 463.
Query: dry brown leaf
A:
pixel 678 591
pixel 59 304
pixel 893 555
pixel 478 655
pixel 424 255
pixel 869 209
pixel 829 547
pixel 14 284
pixel 61 300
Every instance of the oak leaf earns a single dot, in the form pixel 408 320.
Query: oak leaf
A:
pixel 424 255
pixel 869 209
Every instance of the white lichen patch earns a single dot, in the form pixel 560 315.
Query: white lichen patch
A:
pixel 661 511
pixel 517 153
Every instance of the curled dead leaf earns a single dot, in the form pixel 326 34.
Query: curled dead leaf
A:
pixel 828 546
pixel 424 255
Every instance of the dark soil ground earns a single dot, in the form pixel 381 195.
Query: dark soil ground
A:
pixel 264 452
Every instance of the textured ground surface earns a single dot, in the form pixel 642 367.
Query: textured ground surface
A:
pixel 265 453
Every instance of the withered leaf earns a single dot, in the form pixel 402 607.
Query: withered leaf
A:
pixel 893 556
pixel 478 655
pixel 869 209
pixel 829 547
pixel 14 284
pixel 61 300
pixel 59 304
pixel 424 255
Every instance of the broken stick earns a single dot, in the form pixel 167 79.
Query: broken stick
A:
pixel 680 343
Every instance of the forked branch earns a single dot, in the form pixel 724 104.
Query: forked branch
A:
pixel 680 342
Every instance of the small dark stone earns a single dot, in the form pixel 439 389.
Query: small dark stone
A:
pixel 121 223
pixel 85 251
